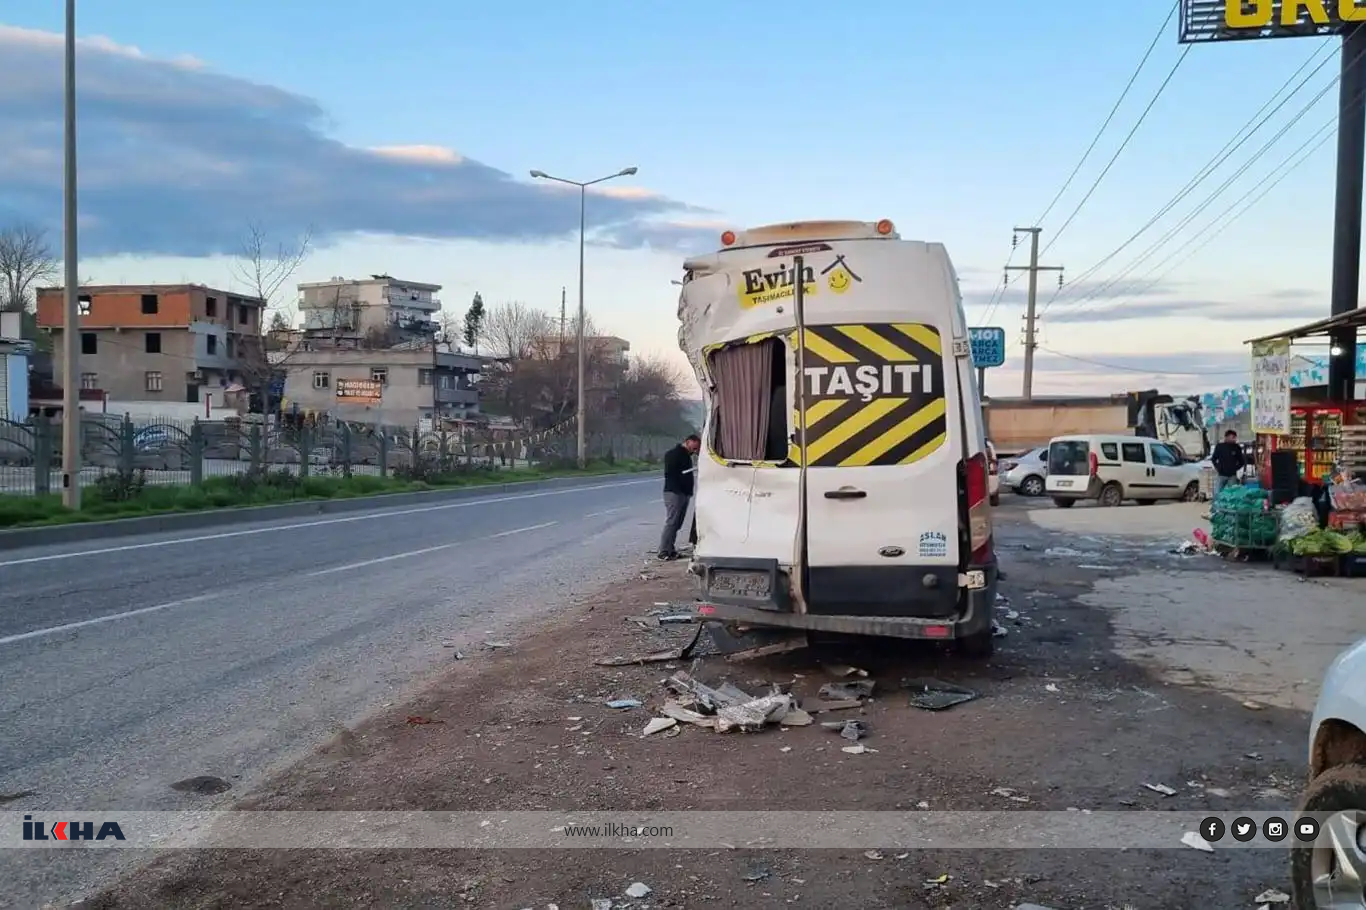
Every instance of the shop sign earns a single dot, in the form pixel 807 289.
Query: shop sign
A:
pixel 1271 387
pixel 1242 20
pixel 359 391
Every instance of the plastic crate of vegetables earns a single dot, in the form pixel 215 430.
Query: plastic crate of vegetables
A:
pixel 1242 517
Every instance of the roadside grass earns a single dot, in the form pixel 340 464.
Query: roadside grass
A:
pixel 117 495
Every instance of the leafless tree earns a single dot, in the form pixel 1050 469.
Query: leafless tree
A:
pixel 648 396
pixel 513 331
pixel 25 260
pixel 265 267
pixel 449 328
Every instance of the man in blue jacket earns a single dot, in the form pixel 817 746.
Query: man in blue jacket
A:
pixel 678 491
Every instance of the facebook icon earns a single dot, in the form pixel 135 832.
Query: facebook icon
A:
pixel 1212 829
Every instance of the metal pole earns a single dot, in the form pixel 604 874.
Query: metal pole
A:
pixel 71 338
pixel 582 409
pixel 799 575
pixel 982 382
pixel 1347 210
pixel 1030 314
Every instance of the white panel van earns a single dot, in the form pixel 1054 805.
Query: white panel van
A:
pixel 1111 469
pixel 843 484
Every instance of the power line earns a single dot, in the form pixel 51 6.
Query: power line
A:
pixel 1114 110
pixel 1213 164
pixel 997 294
pixel 1282 170
pixel 1122 146
pixel 1129 369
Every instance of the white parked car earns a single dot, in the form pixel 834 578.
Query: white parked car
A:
pixel 1025 474
pixel 993 476
pixel 1111 469
pixel 1330 872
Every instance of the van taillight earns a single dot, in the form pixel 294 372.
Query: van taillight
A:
pixel 1095 464
pixel 977 490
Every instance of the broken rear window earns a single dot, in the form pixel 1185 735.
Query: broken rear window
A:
pixel 749 401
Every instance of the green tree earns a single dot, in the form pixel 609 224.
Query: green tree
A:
pixel 474 322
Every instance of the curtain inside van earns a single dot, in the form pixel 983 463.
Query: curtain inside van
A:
pixel 743 375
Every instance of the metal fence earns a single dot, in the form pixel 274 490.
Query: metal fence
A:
pixel 179 452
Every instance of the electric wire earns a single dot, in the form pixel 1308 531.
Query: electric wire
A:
pixel 1255 122
pixel 1145 371
pixel 1161 89
pixel 1085 156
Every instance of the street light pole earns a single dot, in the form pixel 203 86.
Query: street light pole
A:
pixel 581 409
pixel 71 337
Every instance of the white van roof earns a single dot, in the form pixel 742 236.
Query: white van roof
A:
pixel 798 231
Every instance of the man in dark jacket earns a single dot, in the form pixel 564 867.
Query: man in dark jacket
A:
pixel 1228 460
pixel 678 490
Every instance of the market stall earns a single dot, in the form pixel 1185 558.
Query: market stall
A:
pixel 1326 431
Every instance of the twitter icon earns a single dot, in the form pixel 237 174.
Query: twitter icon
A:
pixel 1243 829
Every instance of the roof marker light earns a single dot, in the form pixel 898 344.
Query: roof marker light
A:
pixel 885 227
pixel 728 238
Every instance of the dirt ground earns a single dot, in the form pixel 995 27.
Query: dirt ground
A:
pixel 1062 720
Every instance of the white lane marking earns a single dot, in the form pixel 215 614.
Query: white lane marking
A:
pixel 606 512
pixel 425 550
pixel 224 535
pixel 199 598
pixel 71 626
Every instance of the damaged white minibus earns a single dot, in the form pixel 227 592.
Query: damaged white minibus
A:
pixel 843 479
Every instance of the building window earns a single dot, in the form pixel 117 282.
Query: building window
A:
pixel 153 343
pixel 424 377
pixel 211 344
pixel 321 379
pixel 149 304
pixel 83 304
pixel 243 314
pixel 153 380
pixel 380 375
pixel 447 381
pixel 211 306
pixel 89 343
pixel 90 381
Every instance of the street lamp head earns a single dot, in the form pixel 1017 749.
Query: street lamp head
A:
pixel 539 174
pixel 628 172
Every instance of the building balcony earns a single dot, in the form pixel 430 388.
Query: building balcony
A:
pixel 465 397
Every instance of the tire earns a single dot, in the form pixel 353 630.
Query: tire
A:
pixel 1145 502
pixel 1192 492
pixel 1111 495
pixel 995 500
pixel 1338 790
pixel 1031 486
pixel 1064 503
pixel 978 646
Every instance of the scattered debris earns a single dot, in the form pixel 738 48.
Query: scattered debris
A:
pixel 727 707
pixel 1272 896
pixel 497 645
pixel 820 706
pixel 756 872
pixel 1012 614
pixel 847 691
pixel 938 881
pixel 678 712
pixel 657 724
pixel 602 903
pixel 796 717
pixel 873 854
pixel 655 657
pixel 1219 792
pixel 935 694
pixel 1051 687
pixel 202 785
pixel 1253 706
pixel 857 749
pixel 852 730
pixel 459 655
pixel 1002 599
pixel 752 716
pixel 1022 906
pixel 678 619
pixel 998 630
pixel 622 703
pixel 638 890
pixel 844 671
pixel 1186 548
pixel 1191 839
pixel 1161 788
pixel 785 749
pixel 417 720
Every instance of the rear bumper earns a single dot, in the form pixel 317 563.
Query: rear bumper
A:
pixel 1088 491
pixel 943 615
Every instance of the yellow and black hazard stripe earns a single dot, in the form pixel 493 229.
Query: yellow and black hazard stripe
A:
pixel 874 395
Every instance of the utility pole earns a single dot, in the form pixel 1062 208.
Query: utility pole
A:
pixel 562 317
pixel 71 293
pixel 1031 340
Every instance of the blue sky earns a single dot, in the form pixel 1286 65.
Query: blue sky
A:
pixel 957 128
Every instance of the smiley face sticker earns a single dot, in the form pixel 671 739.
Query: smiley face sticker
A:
pixel 839 277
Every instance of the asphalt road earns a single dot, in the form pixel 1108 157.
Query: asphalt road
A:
pixel 128 666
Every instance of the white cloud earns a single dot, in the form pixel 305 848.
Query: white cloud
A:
pixel 176 160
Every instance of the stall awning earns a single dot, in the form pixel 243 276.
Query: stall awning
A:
pixel 1353 320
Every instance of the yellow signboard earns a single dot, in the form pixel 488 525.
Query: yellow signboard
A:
pixel 1254 14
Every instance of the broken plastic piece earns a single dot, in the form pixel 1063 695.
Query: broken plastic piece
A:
pixel 844 691
pixel 621 703
pixel 935 694
pixel 638 890
pixel 659 723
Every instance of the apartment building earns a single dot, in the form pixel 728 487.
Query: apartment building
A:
pixel 350 310
pixel 398 385
pixel 606 351
pixel 166 342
